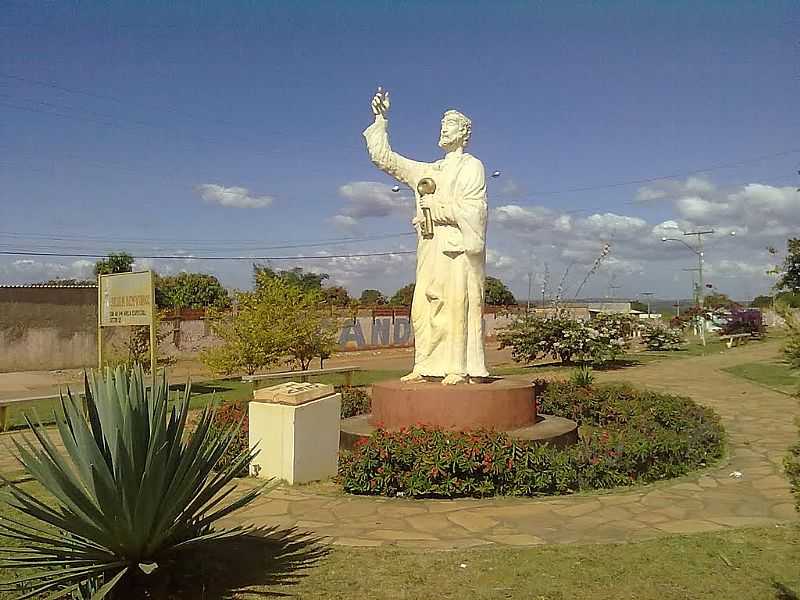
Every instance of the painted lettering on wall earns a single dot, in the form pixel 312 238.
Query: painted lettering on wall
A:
pixel 352 333
pixel 384 331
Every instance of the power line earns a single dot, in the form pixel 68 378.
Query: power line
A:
pixel 672 176
pixel 109 119
pixel 149 241
pixel 123 123
pixel 192 257
pixel 72 90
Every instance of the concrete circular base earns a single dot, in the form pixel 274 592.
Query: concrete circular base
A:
pixel 558 431
pixel 499 405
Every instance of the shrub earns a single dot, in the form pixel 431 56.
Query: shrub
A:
pixel 658 337
pixel 791 465
pixel 355 401
pixel 633 436
pixel 129 492
pixel 229 415
pixel 559 336
pixel 744 321
pixel 791 348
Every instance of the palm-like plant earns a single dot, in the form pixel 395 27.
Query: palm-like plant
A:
pixel 130 489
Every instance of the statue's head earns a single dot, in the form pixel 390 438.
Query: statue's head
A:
pixel 456 130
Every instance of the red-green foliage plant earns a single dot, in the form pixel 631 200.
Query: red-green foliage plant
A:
pixel 226 416
pixel 630 436
pixel 355 401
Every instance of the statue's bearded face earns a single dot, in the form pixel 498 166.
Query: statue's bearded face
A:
pixel 452 133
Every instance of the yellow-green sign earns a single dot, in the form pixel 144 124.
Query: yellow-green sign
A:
pixel 126 299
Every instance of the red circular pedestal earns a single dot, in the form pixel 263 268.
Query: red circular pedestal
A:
pixel 501 405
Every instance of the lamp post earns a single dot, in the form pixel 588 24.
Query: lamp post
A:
pixel 698 250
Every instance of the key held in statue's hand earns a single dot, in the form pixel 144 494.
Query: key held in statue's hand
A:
pixel 425 187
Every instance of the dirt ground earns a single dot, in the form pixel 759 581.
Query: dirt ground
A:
pixel 25 384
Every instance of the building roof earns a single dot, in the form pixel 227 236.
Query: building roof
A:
pixel 43 285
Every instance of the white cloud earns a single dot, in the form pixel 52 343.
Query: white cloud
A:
pixel 759 214
pixel 232 197
pixel 366 199
pixel 523 219
pixel 737 268
pixel 344 221
pixel 28 270
pixel 386 272
pixel 511 189
pixel 610 225
pixel 499 262
pixel 671 188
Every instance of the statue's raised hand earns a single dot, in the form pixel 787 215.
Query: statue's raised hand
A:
pixel 380 102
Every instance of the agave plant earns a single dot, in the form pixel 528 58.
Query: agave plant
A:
pixel 130 489
pixel 582 376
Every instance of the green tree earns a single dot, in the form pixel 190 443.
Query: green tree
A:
pixel 117 262
pixel 403 296
pixel 718 300
pixel 313 331
pixel 790 275
pixel 372 297
pixel 190 290
pixel 640 306
pixel 762 302
pixel 497 293
pixel 277 321
pixel 790 299
pixel 306 280
pixel 336 295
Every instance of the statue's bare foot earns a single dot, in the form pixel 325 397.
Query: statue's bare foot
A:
pixel 413 376
pixel 453 379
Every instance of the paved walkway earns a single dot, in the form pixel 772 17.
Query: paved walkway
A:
pixel 760 428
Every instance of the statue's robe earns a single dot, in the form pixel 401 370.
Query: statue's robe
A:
pixel 447 309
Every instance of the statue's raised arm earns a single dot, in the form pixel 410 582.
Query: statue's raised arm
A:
pixel 381 154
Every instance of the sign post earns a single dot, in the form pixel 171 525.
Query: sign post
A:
pixel 126 299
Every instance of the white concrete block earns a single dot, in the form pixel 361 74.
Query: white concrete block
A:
pixel 298 443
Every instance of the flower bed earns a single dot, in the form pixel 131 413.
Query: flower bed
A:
pixel 628 436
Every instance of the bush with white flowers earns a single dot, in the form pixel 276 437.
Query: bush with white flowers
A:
pixel 600 340
pixel 659 337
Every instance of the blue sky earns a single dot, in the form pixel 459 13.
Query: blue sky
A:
pixel 231 128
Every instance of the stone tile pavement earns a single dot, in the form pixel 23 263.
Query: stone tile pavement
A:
pixel 760 427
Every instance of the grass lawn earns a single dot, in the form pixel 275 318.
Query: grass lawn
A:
pixel 744 564
pixel 775 375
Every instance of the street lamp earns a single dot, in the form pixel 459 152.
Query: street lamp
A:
pixel 698 250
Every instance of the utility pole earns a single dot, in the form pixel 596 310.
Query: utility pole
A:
pixel 647 294
pixel 530 291
pixel 701 283
pixel 613 286
pixel 695 292
pixel 545 279
pixel 698 250
pixel 694 284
